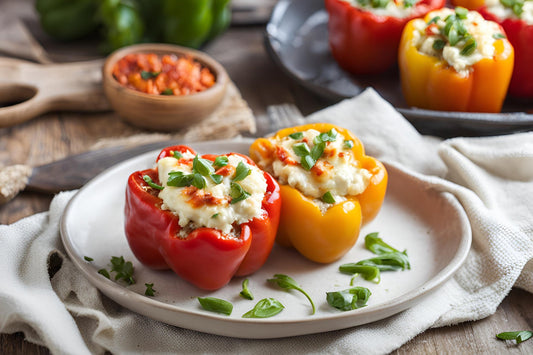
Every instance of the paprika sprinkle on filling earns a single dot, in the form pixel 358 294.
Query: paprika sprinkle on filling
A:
pixel 162 75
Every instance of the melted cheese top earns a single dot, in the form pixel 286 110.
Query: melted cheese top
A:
pixel 503 12
pixel 211 206
pixel 336 171
pixel 482 31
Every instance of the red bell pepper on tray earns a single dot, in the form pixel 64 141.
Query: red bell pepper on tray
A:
pixel 363 42
pixel 520 34
pixel 205 257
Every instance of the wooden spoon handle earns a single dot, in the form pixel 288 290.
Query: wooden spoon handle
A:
pixel 33 89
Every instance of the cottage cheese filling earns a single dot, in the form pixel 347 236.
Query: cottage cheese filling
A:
pixel 214 205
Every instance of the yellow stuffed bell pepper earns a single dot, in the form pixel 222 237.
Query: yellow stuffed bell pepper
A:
pixel 329 187
pixel 454 60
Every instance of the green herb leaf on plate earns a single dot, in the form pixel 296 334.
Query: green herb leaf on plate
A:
pixel 246 293
pixel 265 308
pixel 349 299
pixel 216 305
pixel 288 283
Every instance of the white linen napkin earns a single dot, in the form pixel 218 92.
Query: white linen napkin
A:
pixel 491 177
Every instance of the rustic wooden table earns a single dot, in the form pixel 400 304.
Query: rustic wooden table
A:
pixel 56 135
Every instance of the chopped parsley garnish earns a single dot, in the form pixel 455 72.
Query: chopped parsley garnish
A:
pixel 454 32
pixel 149 289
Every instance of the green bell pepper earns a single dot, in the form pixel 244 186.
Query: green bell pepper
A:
pixel 68 19
pixel 191 23
pixel 123 24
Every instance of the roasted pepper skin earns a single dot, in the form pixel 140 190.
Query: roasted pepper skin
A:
pixel 520 34
pixel 68 19
pixel 324 238
pixel 206 258
pixel 429 83
pixel 364 43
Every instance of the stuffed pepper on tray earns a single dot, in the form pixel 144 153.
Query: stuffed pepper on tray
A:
pixel 454 60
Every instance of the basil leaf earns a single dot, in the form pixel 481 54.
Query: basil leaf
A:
pixel 149 289
pixel 152 184
pixel 470 47
pixel 318 150
pixel 349 299
pixel 177 154
pixel 198 181
pixel 376 245
pixel 518 336
pixel 296 135
pixel 217 179
pixel 347 144
pixel 388 262
pixel 220 161
pixel 368 272
pixel 329 136
pixel 179 179
pixel 237 193
pixel 145 75
pixel 288 283
pixel 88 258
pixel 498 36
pixel 301 149
pixel 217 305
pixel 245 293
pixel 202 166
pixel 307 162
pixel 265 308
pixel 242 171
pixel 328 198
pixel 167 92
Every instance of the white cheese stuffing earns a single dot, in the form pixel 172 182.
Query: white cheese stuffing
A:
pixel 496 7
pixel 341 173
pixel 221 215
pixel 393 8
pixel 481 30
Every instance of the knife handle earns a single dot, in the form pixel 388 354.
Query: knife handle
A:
pixel 13 179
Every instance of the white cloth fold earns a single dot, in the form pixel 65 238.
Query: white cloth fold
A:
pixel 491 177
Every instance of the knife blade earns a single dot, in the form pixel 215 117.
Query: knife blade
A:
pixel 74 171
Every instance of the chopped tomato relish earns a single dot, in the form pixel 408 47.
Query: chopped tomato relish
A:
pixel 162 75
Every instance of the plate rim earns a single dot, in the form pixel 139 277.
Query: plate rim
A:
pixel 133 301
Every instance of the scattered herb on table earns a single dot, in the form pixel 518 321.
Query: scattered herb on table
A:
pixel 150 291
pixel 246 293
pixel 518 336
pixel 216 305
pixel 349 299
pixel 88 258
pixel 265 308
pixel 288 283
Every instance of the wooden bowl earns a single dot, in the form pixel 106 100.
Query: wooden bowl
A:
pixel 162 112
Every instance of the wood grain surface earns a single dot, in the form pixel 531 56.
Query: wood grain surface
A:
pixel 55 135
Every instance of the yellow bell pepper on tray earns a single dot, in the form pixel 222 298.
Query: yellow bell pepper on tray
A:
pixel 322 210
pixel 455 61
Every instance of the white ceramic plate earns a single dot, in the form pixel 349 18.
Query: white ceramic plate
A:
pixel 431 225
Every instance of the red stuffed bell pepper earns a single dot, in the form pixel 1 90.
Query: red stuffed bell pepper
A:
pixel 516 18
pixel 208 218
pixel 364 34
